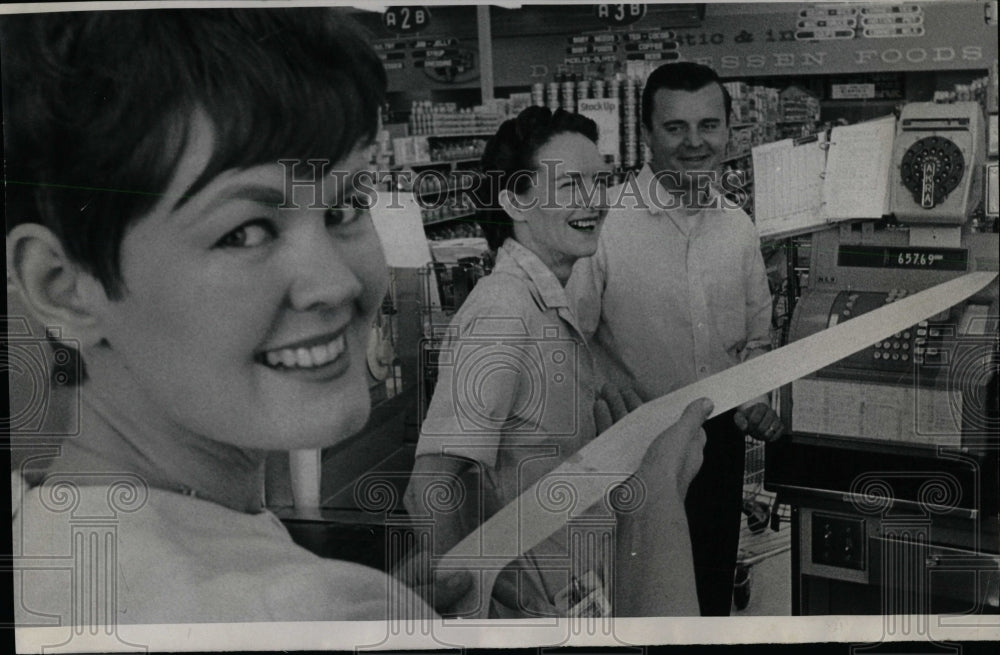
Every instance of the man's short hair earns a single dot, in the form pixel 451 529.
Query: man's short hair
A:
pixel 680 76
pixel 98 107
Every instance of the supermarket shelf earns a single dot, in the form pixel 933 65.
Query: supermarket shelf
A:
pixel 441 192
pixel 737 156
pixel 449 135
pixel 438 162
pixel 438 221
pixel 846 102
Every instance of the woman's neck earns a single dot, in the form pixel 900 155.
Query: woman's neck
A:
pixel 120 433
pixel 560 263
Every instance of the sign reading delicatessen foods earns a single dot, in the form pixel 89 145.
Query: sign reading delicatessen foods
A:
pixel 792 39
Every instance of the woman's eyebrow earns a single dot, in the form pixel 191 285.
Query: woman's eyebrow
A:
pixel 262 194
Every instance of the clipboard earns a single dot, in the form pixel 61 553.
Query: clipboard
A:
pixel 806 184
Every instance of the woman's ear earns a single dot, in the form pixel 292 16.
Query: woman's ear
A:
pixel 512 206
pixel 53 287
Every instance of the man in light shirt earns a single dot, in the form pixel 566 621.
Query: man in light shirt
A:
pixel 677 291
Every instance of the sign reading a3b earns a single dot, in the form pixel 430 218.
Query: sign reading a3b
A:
pixel 620 13
pixel 406 19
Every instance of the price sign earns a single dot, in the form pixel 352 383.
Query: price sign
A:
pixel 407 19
pixel 891 9
pixel 827 12
pixel 652 56
pixel 891 32
pixel 620 14
pixel 851 91
pixel 652 46
pixel 814 23
pixel 824 34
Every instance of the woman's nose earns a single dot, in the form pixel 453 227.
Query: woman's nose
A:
pixel 321 273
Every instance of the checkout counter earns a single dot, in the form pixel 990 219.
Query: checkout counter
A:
pixel 892 461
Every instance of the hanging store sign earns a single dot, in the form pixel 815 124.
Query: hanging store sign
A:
pixel 606 113
pixel 893 31
pixel 651 46
pixel 828 13
pixel 653 56
pixel 434 43
pixel 447 65
pixel 617 15
pixel 885 38
pixel 577 60
pixel 591 49
pixel 408 19
pixel 824 34
pixel 388 46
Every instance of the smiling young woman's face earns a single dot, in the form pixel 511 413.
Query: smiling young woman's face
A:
pixel 243 321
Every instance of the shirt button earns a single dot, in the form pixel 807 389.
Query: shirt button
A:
pixel 702 369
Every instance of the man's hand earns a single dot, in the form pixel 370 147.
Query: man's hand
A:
pixel 760 422
pixel 441 589
pixel 613 404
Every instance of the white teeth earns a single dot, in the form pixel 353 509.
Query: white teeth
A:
pixel 320 355
pixel 306 357
pixel 336 347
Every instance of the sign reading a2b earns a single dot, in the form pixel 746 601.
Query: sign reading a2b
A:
pixel 407 19
pixel 620 13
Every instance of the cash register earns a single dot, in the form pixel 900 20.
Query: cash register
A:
pixel 891 461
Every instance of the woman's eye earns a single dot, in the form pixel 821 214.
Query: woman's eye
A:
pixel 248 235
pixel 348 212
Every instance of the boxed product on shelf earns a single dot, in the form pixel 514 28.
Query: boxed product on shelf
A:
pixel 403 152
pixel 797 104
pixel 463 149
pixel 410 150
pixel 427 118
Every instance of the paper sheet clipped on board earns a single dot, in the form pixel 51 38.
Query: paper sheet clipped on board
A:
pixel 615 454
pixel 857 170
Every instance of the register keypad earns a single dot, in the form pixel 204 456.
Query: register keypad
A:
pixel 898 352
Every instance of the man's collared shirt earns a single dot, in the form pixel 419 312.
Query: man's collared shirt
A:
pixel 672 296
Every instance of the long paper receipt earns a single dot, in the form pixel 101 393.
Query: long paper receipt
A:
pixel 616 454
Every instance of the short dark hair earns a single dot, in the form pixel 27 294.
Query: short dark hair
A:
pixel 98 106
pixel 680 76
pixel 513 149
